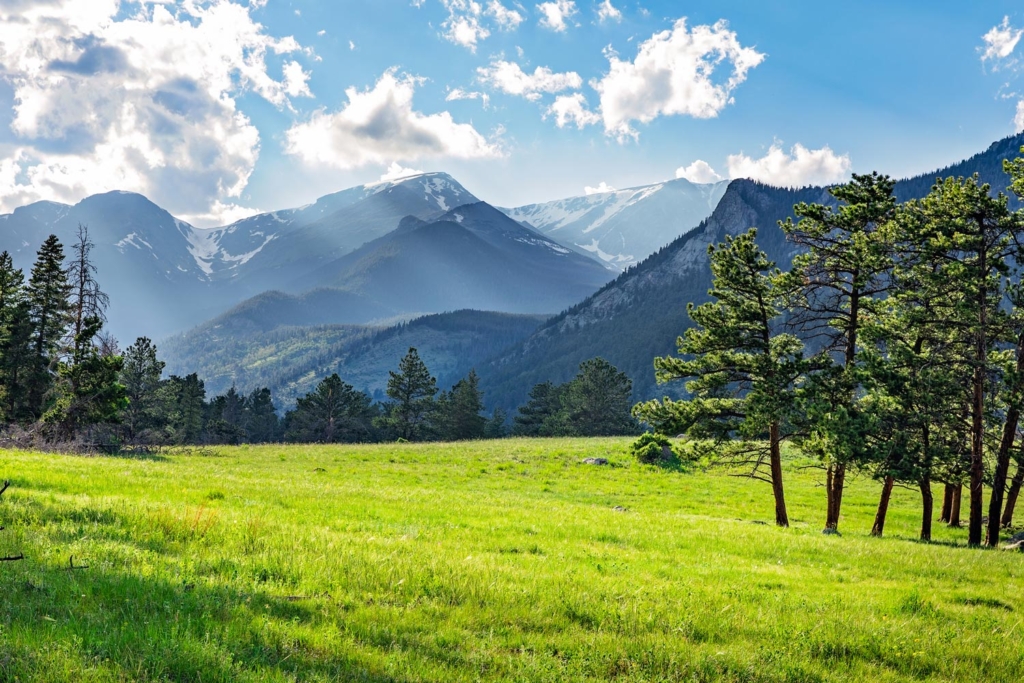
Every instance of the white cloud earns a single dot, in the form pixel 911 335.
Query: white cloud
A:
pixel 698 172
pixel 600 189
pixel 608 12
pixel 555 15
pixel 463 26
pixel 800 167
pixel 379 125
pixel 1000 42
pixel 1018 120
pixel 457 94
pixel 509 77
pixel 572 110
pixel 507 19
pixel 674 74
pixel 396 171
pixel 142 101
pixel 351 45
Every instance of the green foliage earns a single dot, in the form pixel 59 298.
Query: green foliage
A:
pixel 653 449
pixel 457 416
pixel 412 390
pixel 333 413
pixel 595 403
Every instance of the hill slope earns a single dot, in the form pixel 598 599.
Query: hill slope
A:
pixel 291 360
pixel 641 313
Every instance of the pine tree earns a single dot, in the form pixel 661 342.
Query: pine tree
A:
pixel 842 274
pixel 187 398
pixel 597 401
pixel 87 300
pixel 458 412
pixel 261 421
pixel 973 236
pixel 49 312
pixel 538 417
pixel 15 334
pixel 412 390
pixel 742 371
pixel 140 376
pixel 334 412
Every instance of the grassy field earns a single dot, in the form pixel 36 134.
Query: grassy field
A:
pixel 504 560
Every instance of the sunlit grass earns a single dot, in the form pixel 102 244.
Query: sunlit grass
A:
pixel 504 560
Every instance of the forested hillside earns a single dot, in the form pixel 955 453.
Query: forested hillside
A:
pixel 640 314
pixel 291 360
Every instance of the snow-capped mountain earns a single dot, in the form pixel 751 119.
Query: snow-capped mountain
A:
pixel 623 227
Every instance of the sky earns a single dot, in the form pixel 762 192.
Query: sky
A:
pixel 218 109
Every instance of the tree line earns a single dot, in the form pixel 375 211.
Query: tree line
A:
pixel 894 346
pixel 63 380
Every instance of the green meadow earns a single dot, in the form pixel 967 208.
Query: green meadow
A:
pixel 494 561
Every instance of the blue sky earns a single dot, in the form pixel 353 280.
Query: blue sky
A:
pixel 215 109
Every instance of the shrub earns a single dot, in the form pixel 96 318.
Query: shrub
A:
pixel 654 449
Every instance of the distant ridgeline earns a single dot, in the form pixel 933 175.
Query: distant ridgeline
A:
pixel 640 314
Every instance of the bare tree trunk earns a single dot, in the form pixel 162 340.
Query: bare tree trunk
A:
pixel 781 516
pixel 1011 497
pixel 947 503
pixel 927 507
pixel 977 490
pixel 954 510
pixel 883 507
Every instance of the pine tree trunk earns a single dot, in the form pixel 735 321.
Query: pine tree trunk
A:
pixel 927 508
pixel 954 510
pixel 835 476
pixel 883 507
pixel 977 484
pixel 1011 496
pixel 947 503
pixel 995 505
pixel 781 516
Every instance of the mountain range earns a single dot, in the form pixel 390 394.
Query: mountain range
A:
pixel 283 298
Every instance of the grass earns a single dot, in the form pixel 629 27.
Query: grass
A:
pixel 479 562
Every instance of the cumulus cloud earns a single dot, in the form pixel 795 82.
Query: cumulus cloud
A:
pixel 674 73
pixel 606 11
pixel 379 125
pixel 698 172
pixel 600 189
pixel 1000 42
pixel 463 26
pixel 800 167
pixel 555 15
pixel 510 78
pixel 507 19
pixel 396 171
pixel 572 110
pixel 144 101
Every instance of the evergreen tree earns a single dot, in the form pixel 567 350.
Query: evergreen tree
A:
pixel 497 427
pixel 334 412
pixel 458 412
pixel 539 416
pixel 225 421
pixel 49 312
pixel 15 335
pixel 187 402
pixel 597 401
pixel 842 274
pixel 140 376
pixel 973 237
pixel 742 371
pixel 86 391
pixel 261 421
pixel 412 390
